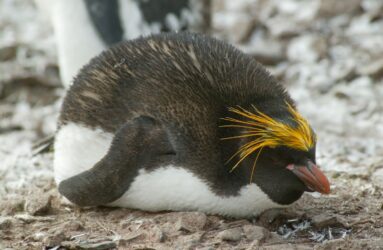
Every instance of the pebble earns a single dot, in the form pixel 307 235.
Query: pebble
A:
pixel 232 234
pixel 39 236
pixel 253 232
pixel 155 234
pixel 74 226
pixel 330 8
pixel 8 53
pixel 279 28
pixel 190 241
pixel 5 223
pixel 326 220
pixel 191 221
pixel 10 207
pixel 38 204
pixel 54 239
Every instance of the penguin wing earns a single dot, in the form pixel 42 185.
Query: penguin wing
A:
pixel 141 143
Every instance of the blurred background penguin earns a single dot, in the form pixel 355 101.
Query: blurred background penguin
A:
pixel 84 28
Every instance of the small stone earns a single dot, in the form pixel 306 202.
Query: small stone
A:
pixel 5 223
pixel 232 234
pixel 254 245
pixel 11 206
pixel 38 204
pixel 253 232
pixel 155 234
pixel 128 238
pixel 98 246
pixel 190 241
pixel 330 8
pixel 54 239
pixel 191 221
pixel 326 220
pixel 8 53
pixel 277 216
pixel 39 236
pixel 275 238
pixel 74 226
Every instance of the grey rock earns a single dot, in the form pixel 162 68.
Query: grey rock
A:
pixel 275 237
pixel 232 234
pixel 328 220
pixel 330 8
pixel 253 245
pixel 54 239
pixel 39 236
pixel 5 223
pixel 8 53
pixel 190 241
pixel 191 221
pixel 155 234
pixel 11 206
pixel 38 204
pixel 253 232
pixel 74 225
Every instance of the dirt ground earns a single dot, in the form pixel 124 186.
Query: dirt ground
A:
pixel 36 219
pixel 328 56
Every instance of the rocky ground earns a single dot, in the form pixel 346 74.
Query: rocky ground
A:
pixel 327 53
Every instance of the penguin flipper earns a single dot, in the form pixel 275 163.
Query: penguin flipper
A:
pixel 140 143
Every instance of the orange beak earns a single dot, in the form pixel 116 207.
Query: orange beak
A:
pixel 312 177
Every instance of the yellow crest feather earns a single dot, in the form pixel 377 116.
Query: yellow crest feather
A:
pixel 268 132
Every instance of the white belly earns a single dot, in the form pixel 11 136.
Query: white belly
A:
pixel 78 148
pixel 175 188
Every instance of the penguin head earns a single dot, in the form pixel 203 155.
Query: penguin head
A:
pixel 275 147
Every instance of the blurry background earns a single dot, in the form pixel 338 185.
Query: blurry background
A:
pixel 328 54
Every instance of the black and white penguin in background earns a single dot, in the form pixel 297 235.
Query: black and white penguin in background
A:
pixel 84 28
pixel 181 121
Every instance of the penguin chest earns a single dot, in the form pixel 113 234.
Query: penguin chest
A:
pixel 175 188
